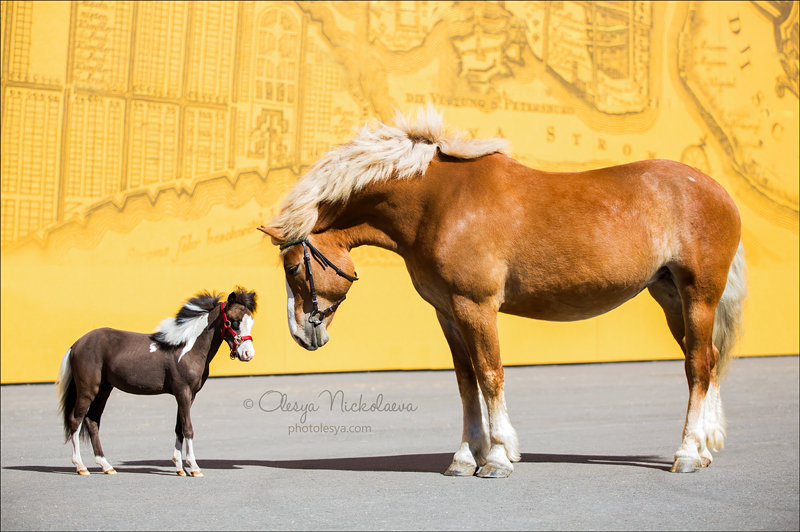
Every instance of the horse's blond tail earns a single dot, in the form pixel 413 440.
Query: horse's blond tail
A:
pixel 728 318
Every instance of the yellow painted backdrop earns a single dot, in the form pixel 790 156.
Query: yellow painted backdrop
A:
pixel 143 142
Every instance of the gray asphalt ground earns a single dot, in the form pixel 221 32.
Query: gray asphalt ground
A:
pixel 597 442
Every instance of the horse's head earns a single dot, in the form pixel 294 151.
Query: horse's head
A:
pixel 237 316
pixel 319 272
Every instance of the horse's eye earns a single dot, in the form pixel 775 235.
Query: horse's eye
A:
pixel 235 324
pixel 291 270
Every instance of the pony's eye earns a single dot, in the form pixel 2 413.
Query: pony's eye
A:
pixel 291 270
pixel 235 324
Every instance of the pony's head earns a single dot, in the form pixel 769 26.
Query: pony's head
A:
pixel 234 321
pixel 237 314
pixel 319 272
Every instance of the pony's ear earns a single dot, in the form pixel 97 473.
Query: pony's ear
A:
pixel 231 299
pixel 275 232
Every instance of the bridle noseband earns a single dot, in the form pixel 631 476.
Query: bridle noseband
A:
pixel 317 316
pixel 227 329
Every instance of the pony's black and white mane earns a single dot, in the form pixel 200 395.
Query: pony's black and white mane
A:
pixel 188 323
pixel 192 319
pixel 375 154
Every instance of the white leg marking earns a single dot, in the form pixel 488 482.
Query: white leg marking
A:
pixel 190 460
pixel 176 457
pixel 503 431
pixel 714 419
pixel 102 462
pixel 694 437
pixel 76 451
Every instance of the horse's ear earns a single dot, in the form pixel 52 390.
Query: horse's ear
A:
pixel 275 232
pixel 231 299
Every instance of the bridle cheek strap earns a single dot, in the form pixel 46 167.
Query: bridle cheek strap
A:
pixel 227 330
pixel 318 315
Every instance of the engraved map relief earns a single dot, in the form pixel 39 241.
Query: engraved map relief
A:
pixel 105 104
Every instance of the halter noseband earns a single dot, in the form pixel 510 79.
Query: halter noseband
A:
pixel 227 329
pixel 317 316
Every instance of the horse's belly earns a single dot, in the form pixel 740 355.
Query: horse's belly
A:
pixel 578 303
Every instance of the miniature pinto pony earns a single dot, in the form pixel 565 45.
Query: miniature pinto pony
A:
pixel 173 360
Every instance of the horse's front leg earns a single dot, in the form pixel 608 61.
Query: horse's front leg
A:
pixel 477 323
pixel 185 400
pixel 176 452
pixel 475 433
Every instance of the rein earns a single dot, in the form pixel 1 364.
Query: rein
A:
pixel 228 329
pixel 317 315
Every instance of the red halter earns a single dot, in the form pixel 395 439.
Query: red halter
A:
pixel 228 330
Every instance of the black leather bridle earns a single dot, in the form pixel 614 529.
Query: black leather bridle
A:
pixel 318 315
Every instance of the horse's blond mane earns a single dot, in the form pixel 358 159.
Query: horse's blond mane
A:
pixel 376 154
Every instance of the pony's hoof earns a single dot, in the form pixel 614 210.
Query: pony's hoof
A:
pixel 686 465
pixel 460 469
pixel 111 471
pixel 197 473
pixel 83 471
pixel 181 473
pixel 494 471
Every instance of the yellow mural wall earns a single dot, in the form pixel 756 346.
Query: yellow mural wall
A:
pixel 143 143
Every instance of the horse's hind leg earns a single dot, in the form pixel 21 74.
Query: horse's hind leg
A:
pixel 475 432
pixel 76 419
pixel 92 422
pixel 666 294
pixel 704 413
pixel 478 326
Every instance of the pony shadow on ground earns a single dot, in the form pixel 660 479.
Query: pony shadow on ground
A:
pixel 403 463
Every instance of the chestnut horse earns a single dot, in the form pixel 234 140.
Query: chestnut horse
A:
pixel 481 234
pixel 173 360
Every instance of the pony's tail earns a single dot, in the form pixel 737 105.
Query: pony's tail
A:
pixel 67 393
pixel 728 318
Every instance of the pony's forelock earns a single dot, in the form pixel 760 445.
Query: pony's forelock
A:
pixel 247 298
pixel 377 153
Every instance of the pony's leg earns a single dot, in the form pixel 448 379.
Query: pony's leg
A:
pixel 184 406
pixel 475 433
pixel 76 419
pixel 701 357
pixel 92 421
pixel 478 326
pixel 176 452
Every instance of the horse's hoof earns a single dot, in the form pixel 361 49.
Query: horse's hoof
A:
pixel 494 471
pixel 460 469
pixel 111 471
pixel 705 459
pixel 83 471
pixel 686 465
pixel 181 473
pixel 197 473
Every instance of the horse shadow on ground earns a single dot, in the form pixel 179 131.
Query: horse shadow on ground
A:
pixel 404 463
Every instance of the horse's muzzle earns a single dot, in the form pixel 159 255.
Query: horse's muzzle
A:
pixel 314 336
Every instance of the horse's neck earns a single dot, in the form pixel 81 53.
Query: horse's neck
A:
pixel 385 215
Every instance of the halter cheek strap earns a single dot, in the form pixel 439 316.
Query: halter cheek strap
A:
pixel 228 330
pixel 318 315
